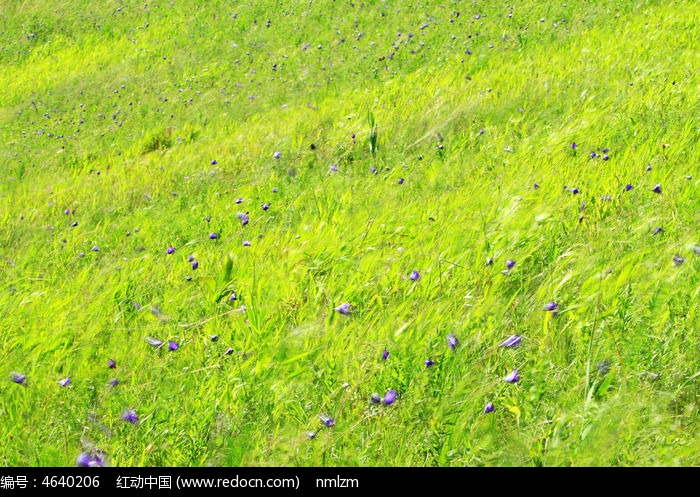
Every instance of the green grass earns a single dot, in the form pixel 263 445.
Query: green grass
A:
pixel 411 136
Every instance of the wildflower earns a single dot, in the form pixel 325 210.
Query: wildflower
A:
pixel 89 460
pixel 238 201
pixel 95 248
pixel 575 191
pixel 246 243
pixel 213 236
pixel 452 341
pixel 428 363
pixel 277 155
pixel 172 345
pixel 511 342
pixel 170 250
pixel 112 364
pixel 489 261
pixel 311 434
pixel 375 398
pixel 243 216
pixel 401 180
pixel 266 206
pixel 327 420
pixel 550 306
pixel 229 351
pixel 385 354
pixel 19 378
pixel 154 342
pixel 390 397
pixel 678 260
pixel 343 309
pixel 510 263
pixel 593 155
pixel 113 382
pixel 195 264
pixel 415 275
pixel 190 258
pixel 130 416
pixel 628 187
pixel 214 338
pixel 333 168
pixel 657 231
pixel 656 189
pixel 233 297
pixel 573 145
pixel 512 377
pixel 489 408
pixel 65 382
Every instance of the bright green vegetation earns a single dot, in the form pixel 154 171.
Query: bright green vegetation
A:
pixel 142 119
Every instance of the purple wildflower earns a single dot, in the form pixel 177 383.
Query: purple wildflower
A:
pixel 112 364
pixel 606 156
pixel 512 377
pixel 489 408
pixel 95 248
pixel 238 201
pixel 170 250
pixel 415 275
pixel 246 243
pixel 575 191
pixel 213 236
pixel 213 162
pixel 65 382
pixel 195 264
pixel 311 434
pixel 657 230
pixel 327 420
pixel 385 354
pixel 375 398
pixel 593 155
pixel 113 382
pixel 628 187
pixel 207 219
pixel 172 345
pixel 550 306
pixel 89 460
pixel 19 378
pixel 390 397
pixel 510 263
pixel 243 216
pixel 452 341
pixel 154 342
pixel 277 155
pixel 573 145
pixel 511 342
pixel 536 186
pixel 429 362
pixel 343 309
pixel 265 206
pixel 190 258
pixel 232 297
pixel 656 189
pixel 274 190
pixel 678 260
pixel 333 168
pixel 229 351
pixel 130 416
pixel 401 180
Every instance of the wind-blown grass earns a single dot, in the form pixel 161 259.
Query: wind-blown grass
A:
pixel 386 138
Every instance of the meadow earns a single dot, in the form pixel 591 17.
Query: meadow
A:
pixel 349 233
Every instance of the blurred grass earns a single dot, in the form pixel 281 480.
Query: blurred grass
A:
pixel 148 122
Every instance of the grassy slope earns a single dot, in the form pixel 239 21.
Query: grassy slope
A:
pixel 151 95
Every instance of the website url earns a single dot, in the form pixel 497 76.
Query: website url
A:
pixel 237 482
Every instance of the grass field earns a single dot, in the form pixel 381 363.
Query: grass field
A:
pixel 350 233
